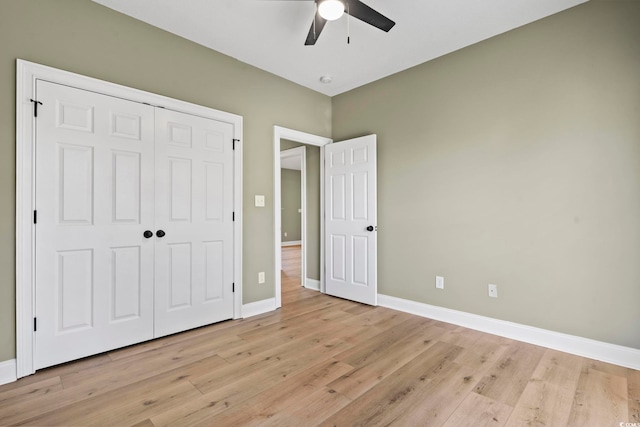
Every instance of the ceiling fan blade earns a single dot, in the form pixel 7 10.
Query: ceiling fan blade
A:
pixel 316 28
pixel 359 10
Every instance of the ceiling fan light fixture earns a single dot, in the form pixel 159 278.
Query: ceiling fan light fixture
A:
pixel 330 9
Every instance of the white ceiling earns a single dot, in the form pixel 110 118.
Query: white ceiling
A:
pixel 270 34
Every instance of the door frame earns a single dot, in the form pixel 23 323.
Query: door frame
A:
pixel 27 74
pixel 303 138
pixel 300 152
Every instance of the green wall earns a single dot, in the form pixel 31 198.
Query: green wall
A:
pixel 515 161
pixel 86 38
pixel 291 199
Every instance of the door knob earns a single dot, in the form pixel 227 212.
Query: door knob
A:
pixel 160 233
pixel 370 228
pixel 148 234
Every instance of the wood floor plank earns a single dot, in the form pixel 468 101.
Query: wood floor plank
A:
pixel 135 404
pixel 51 403
pixel 439 398
pixel 479 342
pixel 56 371
pixel 143 365
pixel 411 389
pixel 143 423
pixel 477 411
pixel 296 324
pixel 360 309
pixel 62 407
pixel 298 295
pixel 480 351
pixel 387 359
pixel 360 355
pixel 547 398
pixel 508 377
pixel 291 329
pixel 316 303
pixel 600 399
pixel 188 413
pixel 311 410
pixel 380 317
pixel 12 396
pixel 259 378
pixel 295 391
pixel 228 387
pixel 634 396
pixel 322 343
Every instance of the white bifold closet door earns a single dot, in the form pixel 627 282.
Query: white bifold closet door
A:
pixel 107 171
pixel 194 207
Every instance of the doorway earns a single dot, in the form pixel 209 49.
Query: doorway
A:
pixel 293 174
pixel 311 249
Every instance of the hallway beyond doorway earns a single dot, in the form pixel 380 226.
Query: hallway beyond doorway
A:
pixel 292 289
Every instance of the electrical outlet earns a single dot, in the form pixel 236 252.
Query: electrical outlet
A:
pixel 493 291
pixel 439 282
pixel 261 277
pixel 285 234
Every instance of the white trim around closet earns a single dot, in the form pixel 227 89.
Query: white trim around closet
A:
pixel 26 77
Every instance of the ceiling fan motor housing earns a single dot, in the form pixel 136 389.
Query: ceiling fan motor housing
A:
pixel 328 10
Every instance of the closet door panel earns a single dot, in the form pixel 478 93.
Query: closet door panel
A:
pixel 94 198
pixel 194 208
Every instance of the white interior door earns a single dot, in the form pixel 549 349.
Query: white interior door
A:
pixel 194 209
pixel 350 219
pixel 94 200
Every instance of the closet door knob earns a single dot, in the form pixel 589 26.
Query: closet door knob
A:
pixel 147 234
pixel 160 233
pixel 370 228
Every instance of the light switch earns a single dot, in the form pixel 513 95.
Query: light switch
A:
pixel 259 201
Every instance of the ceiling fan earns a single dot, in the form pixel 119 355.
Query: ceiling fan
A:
pixel 330 10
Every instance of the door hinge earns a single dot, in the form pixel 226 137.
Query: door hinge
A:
pixel 234 142
pixel 233 287
pixel 35 217
pixel 35 107
pixel 233 216
pixel 35 324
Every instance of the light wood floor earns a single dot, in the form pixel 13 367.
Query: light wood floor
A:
pixel 326 361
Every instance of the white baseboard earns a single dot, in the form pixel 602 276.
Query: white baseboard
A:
pixel 258 307
pixel 605 352
pixel 292 243
pixel 8 371
pixel 312 284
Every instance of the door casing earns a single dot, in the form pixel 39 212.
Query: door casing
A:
pixel 26 76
